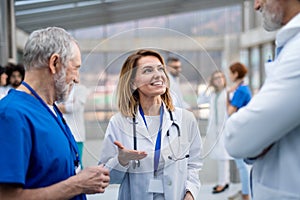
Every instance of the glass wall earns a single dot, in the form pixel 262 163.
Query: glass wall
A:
pixel 101 66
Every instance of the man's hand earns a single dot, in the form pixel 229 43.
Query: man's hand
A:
pixel 93 179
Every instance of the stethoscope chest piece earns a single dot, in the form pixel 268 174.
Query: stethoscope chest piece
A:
pixel 136 163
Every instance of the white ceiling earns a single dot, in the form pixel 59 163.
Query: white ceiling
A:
pixel 73 14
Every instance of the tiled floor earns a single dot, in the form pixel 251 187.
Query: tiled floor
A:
pixel 205 193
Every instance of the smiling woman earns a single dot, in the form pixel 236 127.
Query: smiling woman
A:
pixel 150 79
pixel 140 67
pixel 150 139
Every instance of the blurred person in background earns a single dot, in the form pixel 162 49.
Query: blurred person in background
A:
pixel 39 157
pixel 73 112
pixel 174 68
pixel 3 79
pixel 151 147
pixel 15 74
pixel 216 123
pixel 267 130
pixel 239 95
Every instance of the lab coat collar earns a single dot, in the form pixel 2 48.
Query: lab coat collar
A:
pixel 141 128
pixel 167 121
pixel 288 31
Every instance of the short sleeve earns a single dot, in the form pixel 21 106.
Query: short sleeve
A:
pixel 239 99
pixel 15 143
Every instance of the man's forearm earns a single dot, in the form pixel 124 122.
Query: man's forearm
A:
pixel 61 191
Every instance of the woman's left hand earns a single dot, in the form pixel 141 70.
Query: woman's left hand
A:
pixel 188 196
pixel 126 155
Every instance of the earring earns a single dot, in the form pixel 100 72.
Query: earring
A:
pixel 133 87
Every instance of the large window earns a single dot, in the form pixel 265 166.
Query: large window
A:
pixel 179 34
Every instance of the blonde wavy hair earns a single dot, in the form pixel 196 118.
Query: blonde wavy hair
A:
pixel 127 97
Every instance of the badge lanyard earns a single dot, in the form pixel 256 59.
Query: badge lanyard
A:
pixel 60 120
pixel 158 138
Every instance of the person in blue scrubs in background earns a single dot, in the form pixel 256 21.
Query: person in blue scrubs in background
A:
pixel 39 157
pixel 239 96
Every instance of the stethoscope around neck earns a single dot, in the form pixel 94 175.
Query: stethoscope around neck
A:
pixel 136 163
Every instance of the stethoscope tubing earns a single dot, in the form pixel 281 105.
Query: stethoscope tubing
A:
pixel 136 163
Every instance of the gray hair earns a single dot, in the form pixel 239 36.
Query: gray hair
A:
pixel 43 43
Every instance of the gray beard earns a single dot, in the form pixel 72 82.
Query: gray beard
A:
pixel 61 87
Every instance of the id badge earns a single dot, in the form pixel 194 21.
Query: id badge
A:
pixel 78 169
pixel 156 186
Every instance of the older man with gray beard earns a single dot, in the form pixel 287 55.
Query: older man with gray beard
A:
pixel 39 157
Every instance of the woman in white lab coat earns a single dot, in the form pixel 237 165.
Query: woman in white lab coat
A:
pixel 214 137
pixel 151 148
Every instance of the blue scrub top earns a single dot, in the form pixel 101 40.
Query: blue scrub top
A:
pixel 241 96
pixel 35 150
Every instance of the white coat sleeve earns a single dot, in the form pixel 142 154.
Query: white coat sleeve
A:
pixel 271 114
pixel 109 154
pixel 194 161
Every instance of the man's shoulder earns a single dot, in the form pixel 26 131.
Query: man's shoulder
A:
pixel 15 102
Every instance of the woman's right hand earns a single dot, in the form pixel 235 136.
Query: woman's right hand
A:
pixel 126 155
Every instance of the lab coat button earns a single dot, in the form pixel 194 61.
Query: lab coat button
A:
pixel 169 183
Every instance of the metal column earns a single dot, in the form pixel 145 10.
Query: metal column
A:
pixel 7 32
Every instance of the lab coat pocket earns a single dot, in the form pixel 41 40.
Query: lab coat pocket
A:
pixel 267 193
pixel 269 68
pixel 182 156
